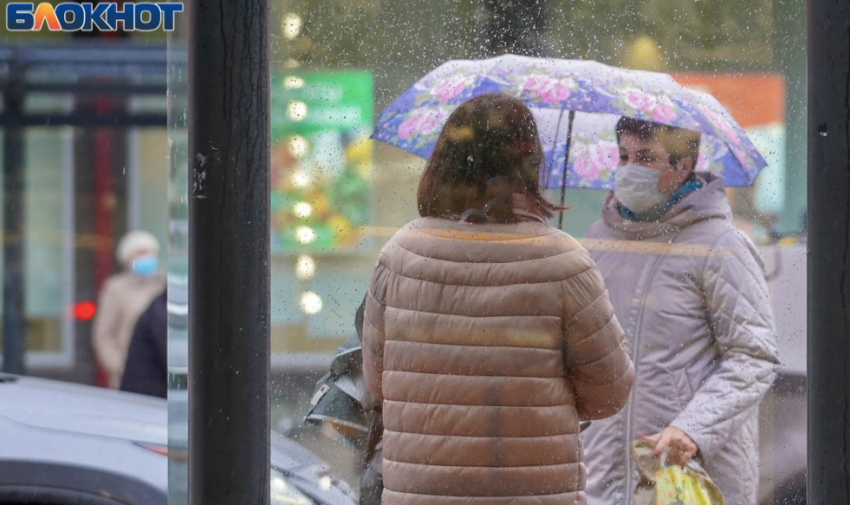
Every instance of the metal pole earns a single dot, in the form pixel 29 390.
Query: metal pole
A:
pixel 14 224
pixel 572 118
pixel 229 210
pixel 829 252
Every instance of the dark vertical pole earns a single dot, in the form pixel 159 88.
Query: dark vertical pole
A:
pixel 564 175
pixel 85 286
pixel 14 322
pixel 229 252
pixel 829 252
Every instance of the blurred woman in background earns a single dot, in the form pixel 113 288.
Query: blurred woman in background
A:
pixel 123 298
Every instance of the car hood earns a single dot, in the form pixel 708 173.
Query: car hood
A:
pixel 86 410
pixel 289 456
pixel 286 455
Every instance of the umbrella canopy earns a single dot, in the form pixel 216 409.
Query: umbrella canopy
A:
pixel 576 104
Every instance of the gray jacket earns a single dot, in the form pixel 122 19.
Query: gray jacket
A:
pixel 691 296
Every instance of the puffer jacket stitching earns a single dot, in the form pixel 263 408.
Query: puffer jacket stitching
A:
pixel 482 375
pixel 595 333
pixel 569 321
pixel 484 316
pixel 717 250
pixel 586 270
pixel 568 434
pixel 389 277
pixel 411 402
pixel 537 465
pixel 501 346
pixel 576 250
pixel 425 231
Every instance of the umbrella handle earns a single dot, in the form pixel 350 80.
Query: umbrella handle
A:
pixel 572 117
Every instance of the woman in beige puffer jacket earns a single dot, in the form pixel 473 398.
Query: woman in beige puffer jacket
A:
pixel 488 335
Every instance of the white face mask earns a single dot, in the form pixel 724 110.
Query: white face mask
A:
pixel 636 187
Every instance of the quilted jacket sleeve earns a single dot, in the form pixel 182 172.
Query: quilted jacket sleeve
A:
pixel 373 333
pixel 741 320
pixel 598 364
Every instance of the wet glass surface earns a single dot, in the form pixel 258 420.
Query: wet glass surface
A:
pixel 706 324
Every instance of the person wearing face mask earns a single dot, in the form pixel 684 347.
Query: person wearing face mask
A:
pixel 690 292
pixel 123 298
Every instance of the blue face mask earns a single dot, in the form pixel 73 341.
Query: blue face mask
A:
pixel 146 266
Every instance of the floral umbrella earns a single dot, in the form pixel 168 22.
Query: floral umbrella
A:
pixel 576 104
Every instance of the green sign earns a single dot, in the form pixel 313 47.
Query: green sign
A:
pixel 321 159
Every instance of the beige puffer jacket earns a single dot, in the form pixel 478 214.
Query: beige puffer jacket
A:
pixel 488 343
pixel 690 293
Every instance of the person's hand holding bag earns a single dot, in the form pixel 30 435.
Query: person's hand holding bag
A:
pixel 682 448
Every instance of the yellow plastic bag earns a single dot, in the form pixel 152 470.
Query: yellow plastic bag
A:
pixel 661 484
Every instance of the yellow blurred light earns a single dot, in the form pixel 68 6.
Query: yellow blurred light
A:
pixel 340 226
pixel 298 146
pixel 291 63
pixel 305 267
pixel 291 25
pixel 297 110
pixel 311 303
pixel 321 204
pixel 302 209
pixel 360 150
pixel 293 82
pixel 365 169
pixel 305 235
pixel 644 54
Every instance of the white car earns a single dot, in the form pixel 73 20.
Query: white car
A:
pixel 64 444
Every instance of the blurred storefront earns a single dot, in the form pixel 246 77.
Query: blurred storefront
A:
pixel 334 66
pixel 758 103
pixel 86 118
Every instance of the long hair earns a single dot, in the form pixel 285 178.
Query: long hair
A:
pixel 489 151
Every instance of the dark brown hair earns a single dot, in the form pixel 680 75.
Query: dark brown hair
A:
pixel 489 151
pixel 679 142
